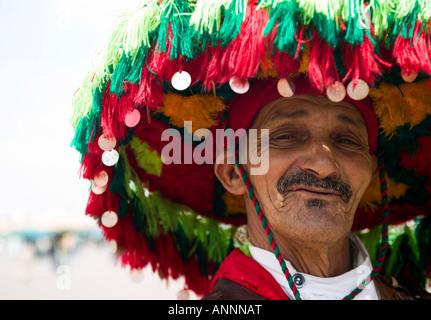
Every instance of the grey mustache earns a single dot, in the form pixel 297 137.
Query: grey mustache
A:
pixel 304 178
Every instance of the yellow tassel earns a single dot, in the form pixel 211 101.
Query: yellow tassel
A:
pixel 395 106
pixel 267 68
pixel 305 61
pixel 202 110
pixel 372 195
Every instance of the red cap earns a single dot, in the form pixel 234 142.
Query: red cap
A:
pixel 244 107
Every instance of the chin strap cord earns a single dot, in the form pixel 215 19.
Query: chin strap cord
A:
pixel 268 231
pixel 385 226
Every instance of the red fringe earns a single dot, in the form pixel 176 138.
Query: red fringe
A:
pixel 150 91
pixel 322 69
pixel 428 38
pixel 97 205
pixel 90 165
pixel 93 147
pixel 163 66
pixel 361 62
pixel 114 112
pixel 167 257
pixel 285 64
pixel 93 205
pixel 213 68
pixel 137 254
pixel 243 56
pixel 413 55
pixel 195 280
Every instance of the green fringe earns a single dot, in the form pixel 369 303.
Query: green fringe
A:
pixel 182 242
pixel 206 20
pixel 355 31
pixel 201 256
pixel 121 72
pixel 406 248
pixel 287 14
pixel 233 16
pixel 85 132
pixel 139 215
pixel 383 16
pixel 80 140
pixel 404 253
pixel 371 240
pixel 405 26
pixel 327 29
pixel 134 75
pixel 82 101
pixel 330 9
pixel 97 101
pixel 118 180
pixel 123 208
pixel 133 30
pixel 176 15
pixel 147 159
pixel 423 236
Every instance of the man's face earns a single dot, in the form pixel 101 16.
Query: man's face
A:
pixel 319 167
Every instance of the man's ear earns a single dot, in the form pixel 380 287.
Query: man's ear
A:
pixel 230 176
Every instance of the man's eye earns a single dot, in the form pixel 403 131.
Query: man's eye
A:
pixel 348 142
pixel 285 137
pixel 283 140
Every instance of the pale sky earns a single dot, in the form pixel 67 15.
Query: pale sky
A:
pixel 46 50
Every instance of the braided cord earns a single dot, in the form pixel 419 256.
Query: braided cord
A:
pixel 268 231
pixel 385 226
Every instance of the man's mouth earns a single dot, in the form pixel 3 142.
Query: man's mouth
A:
pixel 315 191
pixel 308 183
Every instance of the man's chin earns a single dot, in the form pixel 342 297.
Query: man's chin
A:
pixel 314 218
pixel 317 203
pixel 311 200
pixel 322 223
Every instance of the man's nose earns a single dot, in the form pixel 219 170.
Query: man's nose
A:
pixel 319 160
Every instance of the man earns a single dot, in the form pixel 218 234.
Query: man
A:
pixel 320 165
pixel 316 78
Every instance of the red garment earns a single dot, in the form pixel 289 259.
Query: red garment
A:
pixel 245 271
pixel 242 271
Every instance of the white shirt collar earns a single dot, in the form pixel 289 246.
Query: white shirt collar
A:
pixel 316 288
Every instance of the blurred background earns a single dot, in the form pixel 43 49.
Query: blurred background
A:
pixel 48 248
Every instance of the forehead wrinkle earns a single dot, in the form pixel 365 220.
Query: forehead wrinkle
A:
pixel 357 122
pixel 279 109
pixel 287 114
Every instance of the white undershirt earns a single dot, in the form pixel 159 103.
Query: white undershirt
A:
pixel 315 288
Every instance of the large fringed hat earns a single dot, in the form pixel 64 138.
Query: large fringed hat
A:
pixel 181 65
